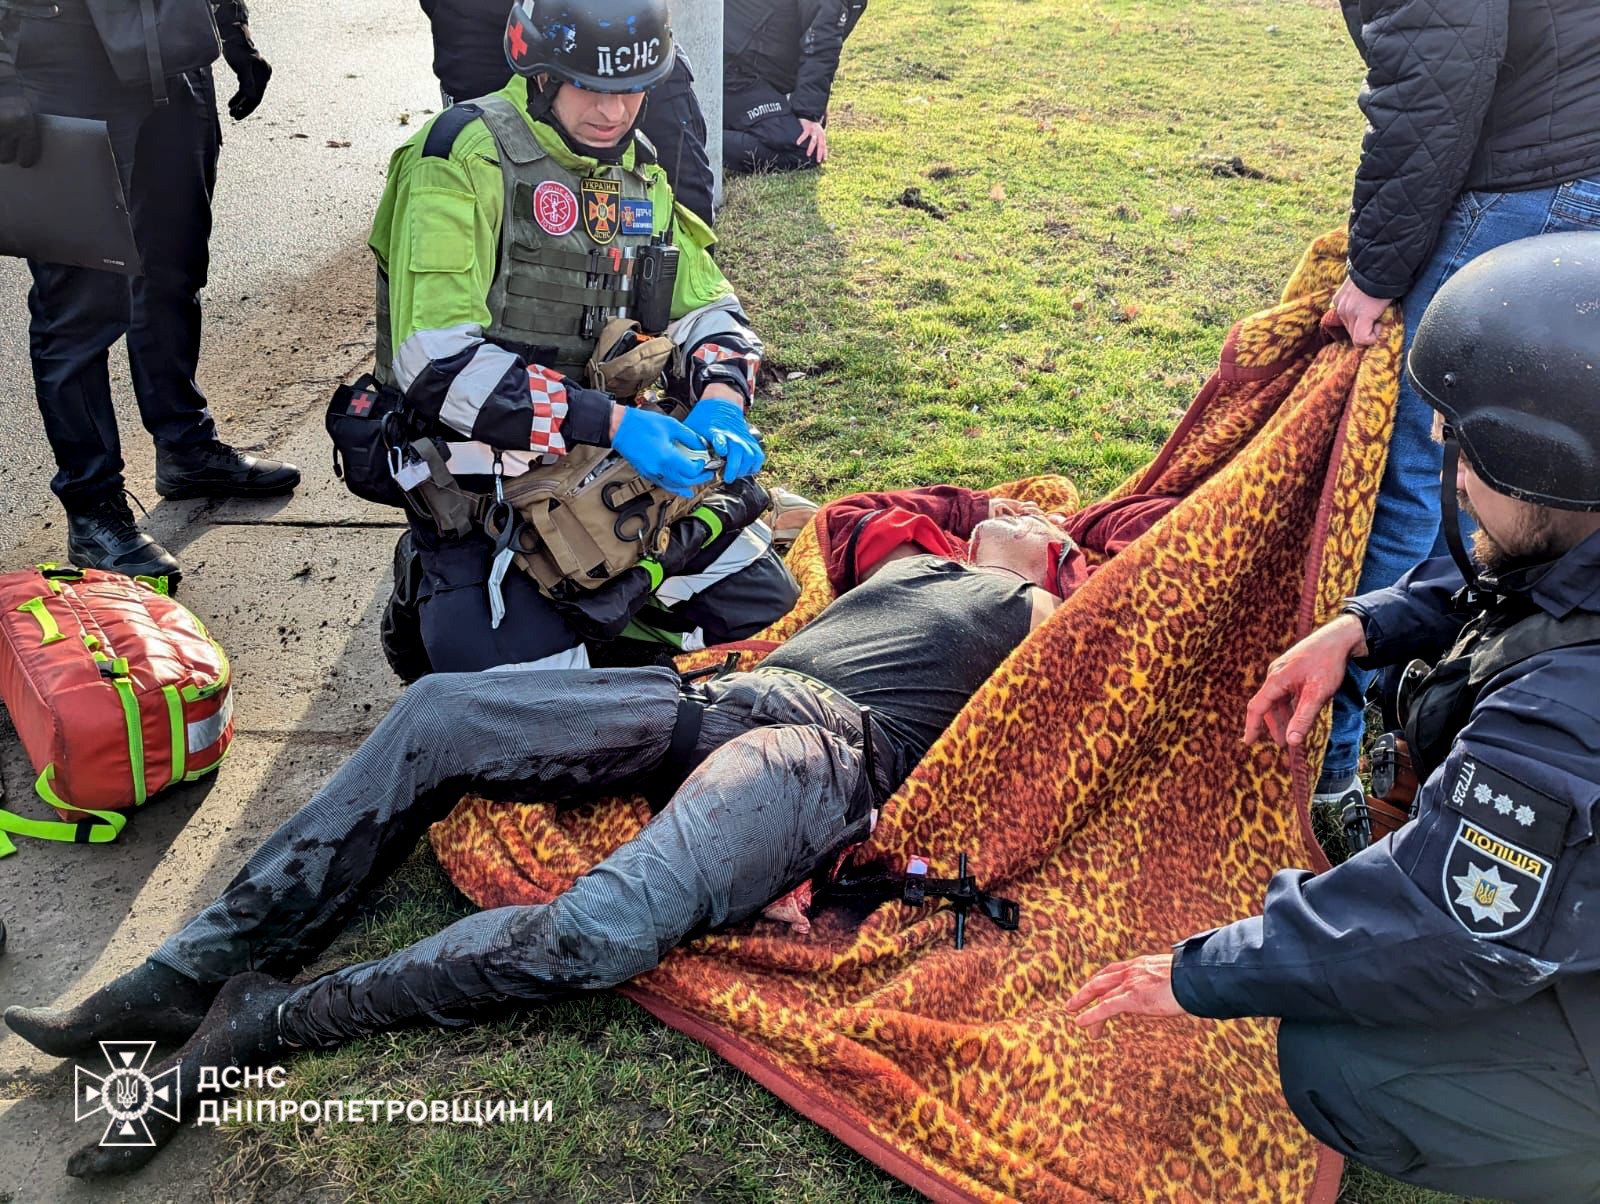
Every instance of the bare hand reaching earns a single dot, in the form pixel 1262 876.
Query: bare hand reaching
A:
pixel 1302 681
pixel 1141 986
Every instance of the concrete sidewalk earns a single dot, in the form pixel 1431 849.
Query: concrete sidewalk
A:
pixel 293 591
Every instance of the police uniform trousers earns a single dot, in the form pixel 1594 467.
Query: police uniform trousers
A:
pixel 1503 1105
pixel 167 158
pixel 771 796
pixel 458 635
pixel 760 132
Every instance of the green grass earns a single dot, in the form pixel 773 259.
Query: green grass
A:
pixel 1022 258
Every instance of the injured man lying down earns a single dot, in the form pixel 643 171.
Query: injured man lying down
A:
pixel 770 782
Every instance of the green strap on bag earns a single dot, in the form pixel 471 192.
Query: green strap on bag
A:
pixel 102 827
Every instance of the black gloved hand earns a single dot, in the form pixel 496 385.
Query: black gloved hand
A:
pixel 253 70
pixel 19 129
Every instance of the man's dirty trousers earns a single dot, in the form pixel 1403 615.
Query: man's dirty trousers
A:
pixel 771 794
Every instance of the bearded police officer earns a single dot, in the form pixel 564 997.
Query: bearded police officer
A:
pixel 513 231
pixel 1439 990
pixel 145 70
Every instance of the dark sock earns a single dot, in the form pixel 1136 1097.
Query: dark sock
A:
pixel 153 1002
pixel 240 1032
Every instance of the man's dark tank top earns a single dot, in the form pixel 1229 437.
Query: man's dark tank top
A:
pixel 913 642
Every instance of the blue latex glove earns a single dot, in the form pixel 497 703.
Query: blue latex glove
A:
pixel 665 451
pixel 721 423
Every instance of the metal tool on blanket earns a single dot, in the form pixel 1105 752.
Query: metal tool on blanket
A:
pixel 962 892
pixel 914 887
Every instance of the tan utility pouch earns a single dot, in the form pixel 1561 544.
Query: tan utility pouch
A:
pixel 626 361
pixel 589 516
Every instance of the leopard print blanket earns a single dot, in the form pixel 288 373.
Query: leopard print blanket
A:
pixel 1098 779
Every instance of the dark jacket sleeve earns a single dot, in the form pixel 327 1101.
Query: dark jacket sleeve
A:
pixel 830 24
pixel 9 80
pixel 1414 617
pixel 1431 69
pixel 1478 903
pixel 233 17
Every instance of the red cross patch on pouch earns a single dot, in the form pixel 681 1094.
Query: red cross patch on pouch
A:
pixel 600 199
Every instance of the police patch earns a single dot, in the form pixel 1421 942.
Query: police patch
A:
pixel 638 217
pixel 1492 886
pixel 601 200
pixel 1510 808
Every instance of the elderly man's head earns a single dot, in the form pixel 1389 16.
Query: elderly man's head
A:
pixel 1029 543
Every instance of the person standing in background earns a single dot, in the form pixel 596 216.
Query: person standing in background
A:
pixel 1483 128
pixel 145 70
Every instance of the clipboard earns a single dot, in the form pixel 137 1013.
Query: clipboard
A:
pixel 69 206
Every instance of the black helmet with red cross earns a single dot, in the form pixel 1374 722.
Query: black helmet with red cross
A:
pixel 600 45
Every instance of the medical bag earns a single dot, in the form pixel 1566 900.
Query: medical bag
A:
pixel 116 690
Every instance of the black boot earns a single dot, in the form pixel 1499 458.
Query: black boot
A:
pixel 239 1032
pixel 213 469
pixel 153 1003
pixel 104 536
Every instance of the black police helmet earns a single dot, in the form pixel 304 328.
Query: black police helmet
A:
pixel 600 45
pixel 1509 352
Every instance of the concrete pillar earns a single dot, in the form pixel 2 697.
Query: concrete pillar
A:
pixel 698 25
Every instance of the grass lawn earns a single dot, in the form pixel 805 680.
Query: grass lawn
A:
pixel 1040 219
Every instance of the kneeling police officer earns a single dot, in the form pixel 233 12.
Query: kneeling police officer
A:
pixel 1439 990
pixel 523 239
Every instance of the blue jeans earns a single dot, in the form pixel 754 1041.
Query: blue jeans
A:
pixel 1405 526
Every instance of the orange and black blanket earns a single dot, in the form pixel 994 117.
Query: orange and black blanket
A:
pixel 1098 779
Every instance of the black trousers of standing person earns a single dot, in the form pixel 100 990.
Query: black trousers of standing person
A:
pixel 167 159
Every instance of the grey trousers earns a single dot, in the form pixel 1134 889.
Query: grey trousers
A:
pixel 1502 1106
pixel 769 800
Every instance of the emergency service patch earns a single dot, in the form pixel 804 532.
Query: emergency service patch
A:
pixel 1509 808
pixel 1491 886
pixel 601 199
pixel 638 217
pixel 555 208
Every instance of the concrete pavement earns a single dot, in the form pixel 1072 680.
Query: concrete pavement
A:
pixel 292 589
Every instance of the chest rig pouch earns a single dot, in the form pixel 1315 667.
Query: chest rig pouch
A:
pixel 1438 707
pixel 569 247
pixel 590 516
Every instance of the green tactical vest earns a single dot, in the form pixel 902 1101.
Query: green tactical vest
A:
pixel 555 285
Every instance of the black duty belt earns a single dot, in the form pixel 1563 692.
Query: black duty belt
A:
pixel 692 702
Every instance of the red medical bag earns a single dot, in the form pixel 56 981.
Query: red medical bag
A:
pixel 116 690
